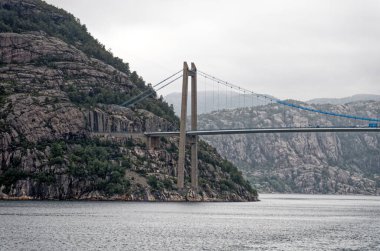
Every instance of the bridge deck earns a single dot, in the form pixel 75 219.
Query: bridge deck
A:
pixel 266 130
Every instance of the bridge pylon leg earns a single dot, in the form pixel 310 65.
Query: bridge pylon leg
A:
pixel 182 134
pixel 194 121
pixel 153 142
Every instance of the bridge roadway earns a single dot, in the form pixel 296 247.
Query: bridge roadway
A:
pixel 265 130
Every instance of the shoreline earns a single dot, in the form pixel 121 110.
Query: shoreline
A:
pixel 184 199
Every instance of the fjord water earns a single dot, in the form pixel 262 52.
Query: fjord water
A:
pixel 278 222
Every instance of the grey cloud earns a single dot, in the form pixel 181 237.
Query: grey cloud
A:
pixel 289 48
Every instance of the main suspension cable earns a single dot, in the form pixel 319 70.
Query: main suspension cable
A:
pixel 151 90
pixel 285 103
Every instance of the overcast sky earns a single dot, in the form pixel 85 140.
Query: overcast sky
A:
pixel 298 49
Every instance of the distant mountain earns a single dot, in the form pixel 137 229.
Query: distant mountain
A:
pixel 209 101
pixel 340 101
pixel 334 163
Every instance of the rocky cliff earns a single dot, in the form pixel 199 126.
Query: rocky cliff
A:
pixel 337 163
pixel 63 134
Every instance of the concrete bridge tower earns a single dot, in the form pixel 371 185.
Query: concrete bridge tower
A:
pixel 193 140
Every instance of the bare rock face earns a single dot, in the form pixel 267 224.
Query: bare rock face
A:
pixel 21 48
pixel 50 115
pixel 55 147
pixel 33 62
pixel 337 163
pixel 113 118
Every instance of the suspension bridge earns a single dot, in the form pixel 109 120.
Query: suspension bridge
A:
pixel 363 123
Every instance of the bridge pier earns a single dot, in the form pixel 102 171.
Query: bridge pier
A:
pixel 182 135
pixel 194 162
pixel 153 142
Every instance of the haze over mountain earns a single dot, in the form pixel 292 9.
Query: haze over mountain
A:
pixel 335 163
pixel 345 100
pixel 209 101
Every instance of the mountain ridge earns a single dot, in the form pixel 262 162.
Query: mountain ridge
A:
pixel 345 100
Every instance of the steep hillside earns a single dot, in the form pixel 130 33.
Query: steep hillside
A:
pixel 60 92
pixel 304 163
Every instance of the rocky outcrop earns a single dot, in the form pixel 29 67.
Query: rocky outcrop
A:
pixel 49 132
pixel 118 119
pixel 32 62
pixel 49 115
pixel 341 163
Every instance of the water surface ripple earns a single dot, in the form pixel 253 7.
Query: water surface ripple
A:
pixel 278 222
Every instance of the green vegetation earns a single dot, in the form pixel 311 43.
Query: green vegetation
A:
pixel 14 17
pixel 13 174
pixel 100 164
pixel 227 185
pixel 93 160
pixel 157 184
pixel 44 177
pixel 236 175
pixel 205 156
pixel 10 176
pixel 57 149
pixel 106 96
pixel 154 182
pixel 97 95
pixel 278 184
pixel 3 91
pixel 46 60
pixel 160 108
pixel 209 155
pixel 103 167
pixel 4 127
pixel 172 148
pixel 168 184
